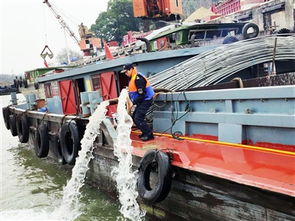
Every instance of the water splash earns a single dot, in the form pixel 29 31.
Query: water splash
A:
pixel 70 206
pixel 26 215
pixel 125 178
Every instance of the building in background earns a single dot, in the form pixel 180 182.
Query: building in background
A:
pixel 89 44
pixel 189 6
pixel 271 16
pixel 226 7
pixel 201 15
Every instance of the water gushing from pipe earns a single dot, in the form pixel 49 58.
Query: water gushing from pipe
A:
pixel 70 206
pixel 124 176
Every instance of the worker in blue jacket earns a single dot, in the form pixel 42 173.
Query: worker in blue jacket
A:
pixel 141 94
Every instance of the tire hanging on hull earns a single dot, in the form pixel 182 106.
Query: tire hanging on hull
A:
pixel 57 150
pixel 154 161
pixel 6 112
pixel 22 128
pixel 41 142
pixel 12 125
pixel 69 141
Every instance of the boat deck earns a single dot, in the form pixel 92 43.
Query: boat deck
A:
pixel 262 167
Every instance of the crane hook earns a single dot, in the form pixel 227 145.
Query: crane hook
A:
pixel 46 53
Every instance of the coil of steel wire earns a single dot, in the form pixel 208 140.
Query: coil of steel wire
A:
pixel 214 66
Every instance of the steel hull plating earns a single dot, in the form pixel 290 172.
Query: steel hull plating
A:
pixel 214 179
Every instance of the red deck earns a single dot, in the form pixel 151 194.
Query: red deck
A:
pixel 262 167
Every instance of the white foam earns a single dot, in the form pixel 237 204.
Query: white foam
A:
pixel 27 215
pixel 70 205
pixel 124 176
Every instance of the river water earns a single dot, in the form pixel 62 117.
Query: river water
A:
pixel 32 188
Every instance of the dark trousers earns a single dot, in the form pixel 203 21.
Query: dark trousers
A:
pixel 139 115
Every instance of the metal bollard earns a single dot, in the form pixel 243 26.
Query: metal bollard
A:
pixel 94 100
pixel 84 103
pixel 13 98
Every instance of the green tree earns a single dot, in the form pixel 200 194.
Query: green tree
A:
pixel 116 21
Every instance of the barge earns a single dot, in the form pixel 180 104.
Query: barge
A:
pixel 224 151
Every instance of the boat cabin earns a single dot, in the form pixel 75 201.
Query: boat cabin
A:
pixel 197 34
pixel 103 81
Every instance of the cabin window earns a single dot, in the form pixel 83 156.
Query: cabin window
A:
pixel 231 32
pixel 54 88
pixel 267 22
pixel 212 34
pixel 197 35
pixel 96 83
pixel 47 88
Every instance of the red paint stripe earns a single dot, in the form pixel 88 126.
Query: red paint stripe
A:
pixel 263 169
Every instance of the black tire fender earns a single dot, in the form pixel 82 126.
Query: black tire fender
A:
pixel 246 28
pixel 41 142
pixel 70 141
pixel 22 127
pixel 12 125
pixel 57 150
pixel 154 160
pixel 6 112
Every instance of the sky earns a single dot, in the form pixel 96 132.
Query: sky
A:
pixel 26 26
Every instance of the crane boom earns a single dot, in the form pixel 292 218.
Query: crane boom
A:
pixel 62 22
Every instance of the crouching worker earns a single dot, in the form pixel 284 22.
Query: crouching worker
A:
pixel 141 94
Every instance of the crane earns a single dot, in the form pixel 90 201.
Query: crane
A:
pixel 157 9
pixel 88 43
pixel 62 22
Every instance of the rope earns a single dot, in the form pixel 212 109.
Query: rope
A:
pixel 45 24
pixel 43 117
pixel 73 119
pixel 74 20
pixel 177 134
pixel 63 118
pixel 24 112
